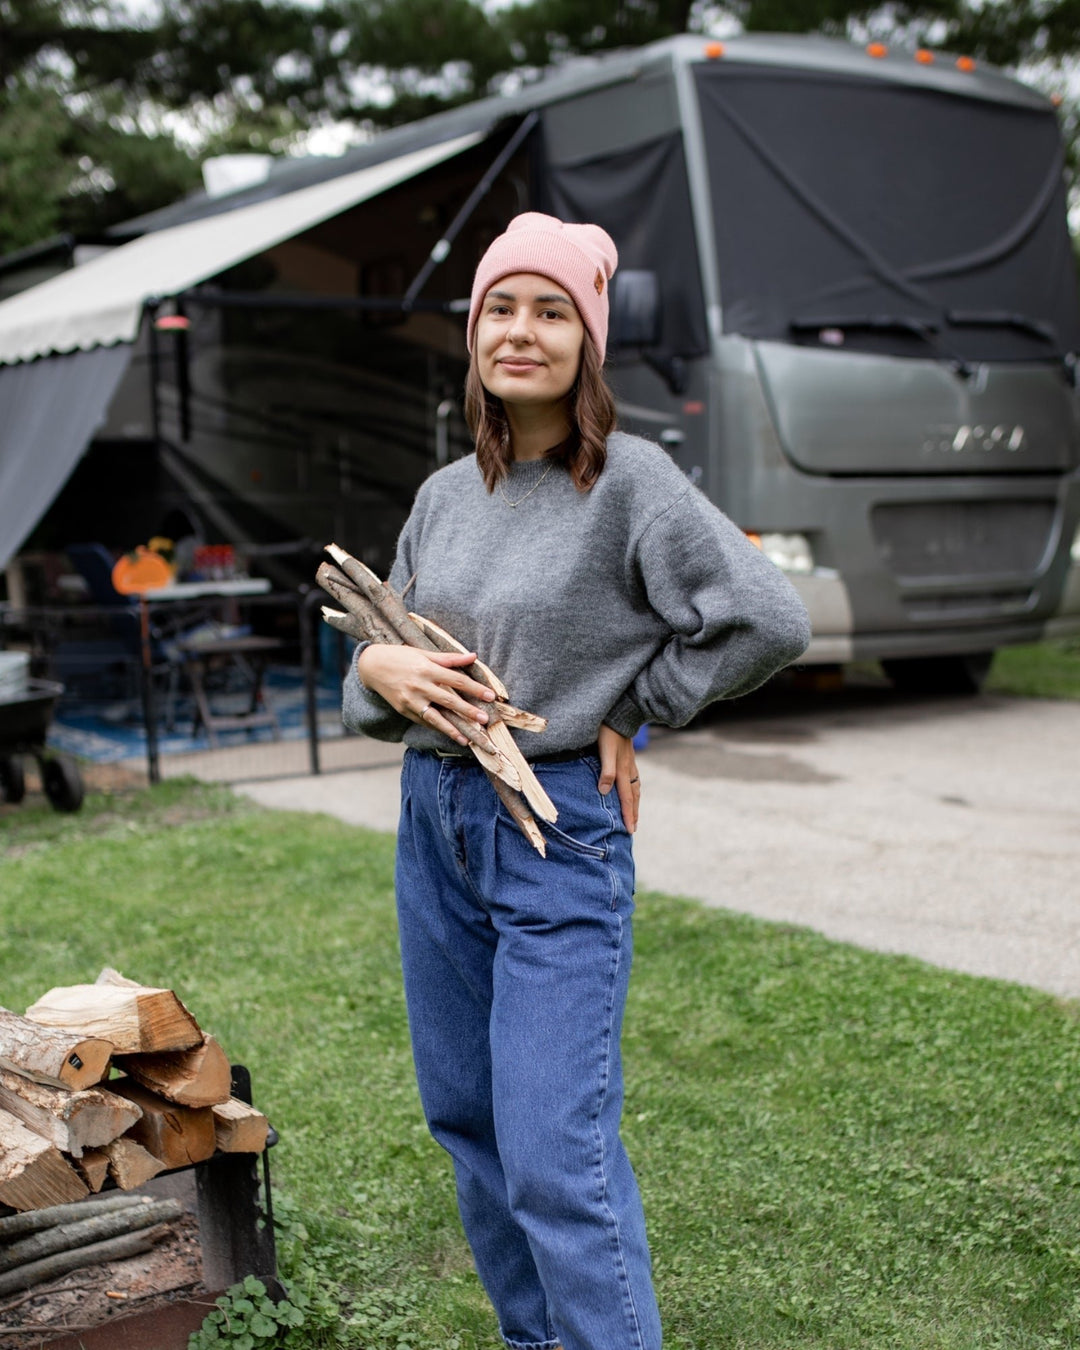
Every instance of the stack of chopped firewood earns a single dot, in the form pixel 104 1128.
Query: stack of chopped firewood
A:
pixel 374 612
pixel 111 1081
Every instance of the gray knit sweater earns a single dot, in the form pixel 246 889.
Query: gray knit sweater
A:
pixel 637 601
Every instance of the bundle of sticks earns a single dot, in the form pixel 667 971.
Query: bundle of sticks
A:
pixel 372 611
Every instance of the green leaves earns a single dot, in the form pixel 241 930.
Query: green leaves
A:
pixel 245 1318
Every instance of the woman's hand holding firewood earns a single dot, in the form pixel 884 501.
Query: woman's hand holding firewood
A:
pixel 427 676
pixel 421 685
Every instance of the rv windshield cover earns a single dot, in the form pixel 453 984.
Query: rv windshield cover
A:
pixel 837 199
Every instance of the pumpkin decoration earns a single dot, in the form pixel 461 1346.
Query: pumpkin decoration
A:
pixel 141 570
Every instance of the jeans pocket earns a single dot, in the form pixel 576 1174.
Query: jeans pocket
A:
pixel 568 841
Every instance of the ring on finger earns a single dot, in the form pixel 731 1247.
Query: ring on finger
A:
pixel 422 714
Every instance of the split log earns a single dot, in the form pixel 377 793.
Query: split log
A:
pixel 34 1174
pixel 131 1165
pixel 199 1077
pixel 61 1058
pixel 52 1267
pixel 93 1167
pixel 176 1135
pixel 17 1225
pixel 70 1120
pixel 94 1225
pixel 135 1018
pixel 239 1128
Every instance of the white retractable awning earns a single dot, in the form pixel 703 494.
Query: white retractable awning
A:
pixel 101 302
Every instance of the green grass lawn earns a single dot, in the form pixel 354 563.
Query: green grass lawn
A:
pixel 836 1148
pixel 1037 670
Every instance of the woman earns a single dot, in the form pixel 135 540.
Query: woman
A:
pixel 606 591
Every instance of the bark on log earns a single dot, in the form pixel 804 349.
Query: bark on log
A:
pixel 60 1058
pixel 130 1165
pixel 371 625
pixel 34 1174
pixel 70 1120
pixel 135 1018
pixel 386 602
pixel 93 1167
pixel 52 1267
pixel 176 1135
pixel 199 1077
pixel 18 1225
pixel 239 1128
pixel 93 1226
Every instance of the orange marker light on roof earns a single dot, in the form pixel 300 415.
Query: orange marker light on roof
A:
pixel 924 57
pixel 877 49
pixel 713 50
pixel 1056 100
pixel 965 63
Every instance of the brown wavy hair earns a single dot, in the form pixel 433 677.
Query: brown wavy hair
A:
pixel 592 420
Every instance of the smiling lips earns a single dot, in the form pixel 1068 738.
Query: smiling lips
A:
pixel 518 363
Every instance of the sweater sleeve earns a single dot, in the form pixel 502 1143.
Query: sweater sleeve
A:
pixel 361 708
pixel 735 619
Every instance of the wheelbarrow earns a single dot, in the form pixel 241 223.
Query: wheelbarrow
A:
pixel 24 724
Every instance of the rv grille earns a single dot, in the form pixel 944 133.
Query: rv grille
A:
pixel 963 539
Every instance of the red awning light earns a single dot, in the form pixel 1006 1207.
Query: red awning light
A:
pixel 172 323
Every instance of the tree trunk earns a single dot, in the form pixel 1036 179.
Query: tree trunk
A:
pixel 60 1058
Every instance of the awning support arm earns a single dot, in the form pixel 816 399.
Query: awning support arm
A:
pixel 443 247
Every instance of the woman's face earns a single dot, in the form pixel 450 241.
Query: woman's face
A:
pixel 528 342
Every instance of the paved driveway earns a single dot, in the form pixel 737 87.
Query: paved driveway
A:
pixel 947 830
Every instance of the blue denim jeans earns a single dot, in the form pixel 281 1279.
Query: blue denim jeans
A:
pixel 516 971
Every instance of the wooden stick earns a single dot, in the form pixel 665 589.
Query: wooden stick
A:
pixel 61 1058
pixel 17 1225
pixel 94 1225
pixel 481 673
pixel 521 814
pixel 373 626
pixel 115 1249
pixel 381 595
pixel 533 793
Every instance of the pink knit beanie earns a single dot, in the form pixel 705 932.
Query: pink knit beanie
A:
pixel 581 258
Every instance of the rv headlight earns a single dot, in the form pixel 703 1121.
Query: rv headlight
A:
pixel 790 552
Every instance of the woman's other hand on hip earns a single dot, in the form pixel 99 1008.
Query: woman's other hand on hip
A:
pixel 618 768
pixel 424 686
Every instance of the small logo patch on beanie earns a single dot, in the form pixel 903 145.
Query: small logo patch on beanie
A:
pixel 598 282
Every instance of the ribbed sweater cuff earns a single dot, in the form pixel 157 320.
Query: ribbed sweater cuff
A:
pixel 625 717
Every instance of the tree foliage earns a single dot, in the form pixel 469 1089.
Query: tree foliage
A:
pixel 105 112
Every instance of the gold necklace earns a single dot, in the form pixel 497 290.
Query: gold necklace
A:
pixel 516 504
